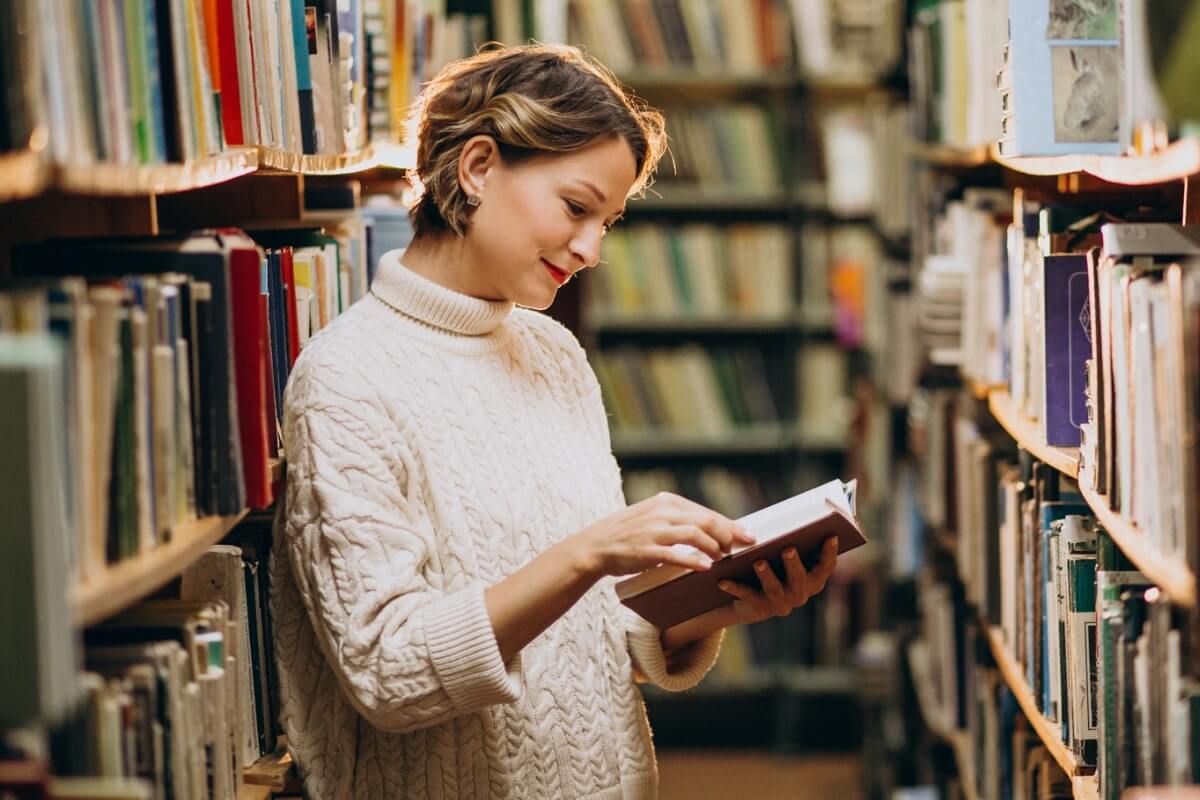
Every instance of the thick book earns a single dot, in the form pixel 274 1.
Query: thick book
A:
pixel 668 594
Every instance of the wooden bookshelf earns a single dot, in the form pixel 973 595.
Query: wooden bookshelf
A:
pixel 608 322
pixel 253 791
pixel 298 163
pixel 761 439
pixel 947 156
pixel 1084 787
pixel 668 196
pixel 958 740
pixel 121 179
pixel 23 173
pixel 1028 435
pixel 1179 160
pixel 983 390
pixel 718 79
pixel 1171 575
pixel 123 584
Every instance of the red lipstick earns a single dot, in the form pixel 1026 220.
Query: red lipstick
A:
pixel 560 276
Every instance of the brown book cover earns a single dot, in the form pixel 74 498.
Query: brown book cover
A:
pixel 667 594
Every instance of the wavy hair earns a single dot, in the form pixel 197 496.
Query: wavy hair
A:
pixel 535 100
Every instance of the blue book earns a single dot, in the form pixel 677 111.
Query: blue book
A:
pixel 304 47
pixel 1068 346
pixel 1065 70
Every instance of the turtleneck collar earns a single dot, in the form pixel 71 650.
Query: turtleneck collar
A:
pixel 434 304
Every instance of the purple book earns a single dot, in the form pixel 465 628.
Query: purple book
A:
pixel 1068 346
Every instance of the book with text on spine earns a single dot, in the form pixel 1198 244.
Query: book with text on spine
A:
pixel 669 594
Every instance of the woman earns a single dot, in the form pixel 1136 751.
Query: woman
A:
pixel 445 620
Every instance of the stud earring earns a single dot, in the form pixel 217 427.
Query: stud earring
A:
pixel 474 200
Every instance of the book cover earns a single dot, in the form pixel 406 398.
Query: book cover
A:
pixel 667 594
pixel 1067 347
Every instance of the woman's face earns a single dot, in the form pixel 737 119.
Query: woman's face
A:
pixel 541 221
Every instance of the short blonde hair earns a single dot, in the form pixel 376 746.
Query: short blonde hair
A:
pixel 535 100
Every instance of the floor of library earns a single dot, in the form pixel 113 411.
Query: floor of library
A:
pixel 706 774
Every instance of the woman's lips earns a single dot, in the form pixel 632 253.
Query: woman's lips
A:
pixel 560 276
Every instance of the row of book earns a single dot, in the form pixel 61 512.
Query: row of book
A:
pixel 178 695
pixel 695 270
pixel 1072 78
pixel 153 81
pixel 1006 757
pixel 174 355
pixel 853 40
pixel 735 145
pixel 740 36
pixel 1099 647
pixel 1092 327
pixel 685 390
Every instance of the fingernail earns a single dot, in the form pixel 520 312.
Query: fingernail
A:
pixel 724 586
pixel 705 562
pixel 831 544
pixel 789 554
pixel 761 566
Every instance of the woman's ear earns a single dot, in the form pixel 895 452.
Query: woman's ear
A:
pixel 478 156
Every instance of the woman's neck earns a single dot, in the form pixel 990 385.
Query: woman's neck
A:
pixel 446 260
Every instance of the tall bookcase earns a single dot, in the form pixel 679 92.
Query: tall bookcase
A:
pixel 981 706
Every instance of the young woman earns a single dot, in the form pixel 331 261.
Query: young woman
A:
pixel 445 620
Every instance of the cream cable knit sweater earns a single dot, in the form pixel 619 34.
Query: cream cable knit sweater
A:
pixel 435 443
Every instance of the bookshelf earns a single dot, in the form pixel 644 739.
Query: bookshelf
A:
pixel 1170 575
pixel 718 80
pixel 958 740
pixel 22 174
pixel 1029 437
pixel 616 323
pixel 1084 786
pixel 124 583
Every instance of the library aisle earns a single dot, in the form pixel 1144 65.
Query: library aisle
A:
pixel 935 263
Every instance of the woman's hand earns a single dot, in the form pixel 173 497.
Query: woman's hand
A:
pixel 643 535
pixel 779 598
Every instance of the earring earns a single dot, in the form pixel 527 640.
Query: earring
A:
pixel 474 200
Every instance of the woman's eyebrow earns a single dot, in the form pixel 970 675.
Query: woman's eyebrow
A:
pixel 596 191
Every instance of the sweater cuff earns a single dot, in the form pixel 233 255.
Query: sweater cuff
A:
pixel 464 652
pixel 690 662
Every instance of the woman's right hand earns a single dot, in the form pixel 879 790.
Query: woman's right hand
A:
pixel 642 535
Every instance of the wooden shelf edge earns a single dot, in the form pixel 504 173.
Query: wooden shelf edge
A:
pixel 948 156
pixel 1046 730
pixel 123 584
pixel 23 173
pixel 1175 162
pixel 254 791
pixel 1027 434
pixel 278 469
pixel 1172 576
pixel 133 180
pixel 302 164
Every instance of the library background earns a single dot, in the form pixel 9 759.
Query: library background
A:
pixel 942 247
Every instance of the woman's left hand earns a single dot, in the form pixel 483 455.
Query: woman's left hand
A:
pixel 778 598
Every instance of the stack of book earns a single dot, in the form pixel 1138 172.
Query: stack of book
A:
pixel 727 147
pixel 704 36
pixel 694 270
pixel 179 694
pixel 176 354
pixel 1137 392
pixel 686 390
pixel 156 81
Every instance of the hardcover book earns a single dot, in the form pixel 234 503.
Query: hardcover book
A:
pixel 668 594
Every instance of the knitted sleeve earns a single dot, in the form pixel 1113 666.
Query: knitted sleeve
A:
pixel 406 653
pixel 685 667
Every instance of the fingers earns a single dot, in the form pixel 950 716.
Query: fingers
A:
pixel 739 591
pixel 776 596
pixel 798 577
pixel 698 562
pixel 820 573
pixel 726 531
pixel 695 537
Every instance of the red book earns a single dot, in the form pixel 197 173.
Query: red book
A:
pixel 269 378
pixel 230 88
pixel 249 352
pixel 289 286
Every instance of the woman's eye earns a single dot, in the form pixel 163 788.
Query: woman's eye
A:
pixel 575 209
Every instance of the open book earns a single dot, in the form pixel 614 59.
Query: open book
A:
pixel 669 594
